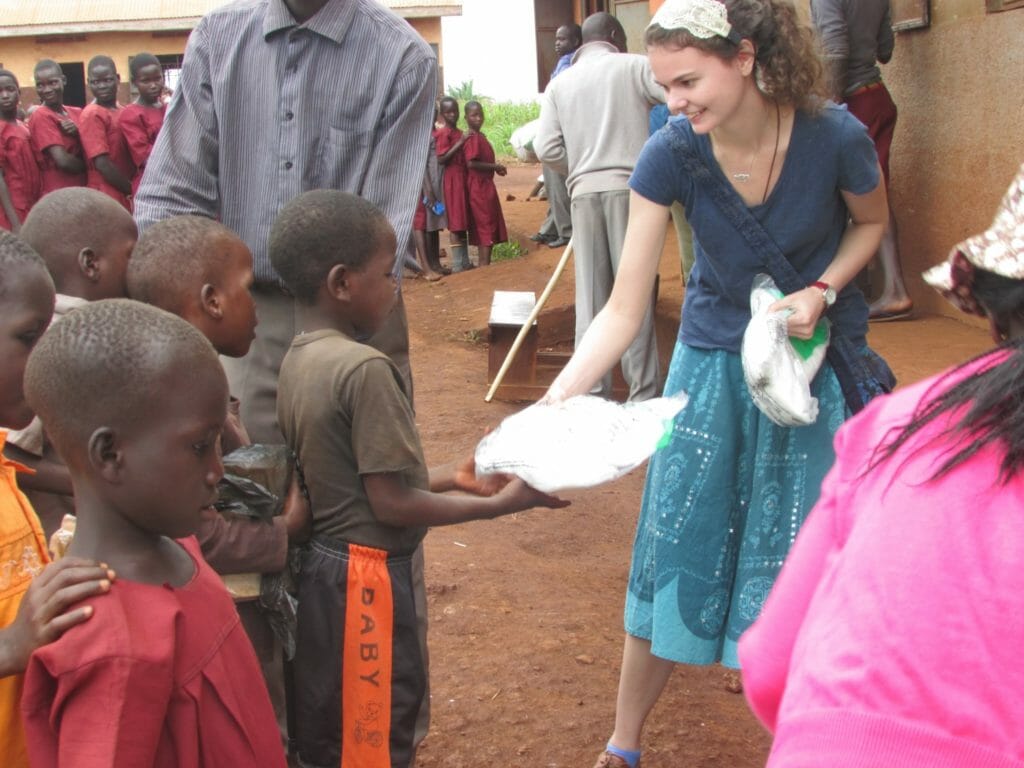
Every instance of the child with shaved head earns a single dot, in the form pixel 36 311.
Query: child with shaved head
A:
pixel 360 667
pixel 209 287
pixel 85 239
pixel 162 675
pixel 34 597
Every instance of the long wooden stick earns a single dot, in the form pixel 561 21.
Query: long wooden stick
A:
pixel 529 321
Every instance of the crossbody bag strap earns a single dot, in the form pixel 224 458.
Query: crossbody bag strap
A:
pixel 861 376
pixel 737 214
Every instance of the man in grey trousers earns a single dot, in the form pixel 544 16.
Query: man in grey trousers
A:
pixel 593 124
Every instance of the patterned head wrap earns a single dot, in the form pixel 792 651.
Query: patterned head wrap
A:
pixel 999 249
pixel 701 18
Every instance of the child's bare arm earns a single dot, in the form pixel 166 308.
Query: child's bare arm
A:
pixel 43 615
pixel 64 160
pixel 447 156
pixel 478 165
pixel 395 503
pixel 5 201
pixel 113 174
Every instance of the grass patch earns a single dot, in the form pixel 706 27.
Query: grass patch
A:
pixel 507 251
pixel 501 118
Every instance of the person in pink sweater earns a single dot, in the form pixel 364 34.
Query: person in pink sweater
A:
pixel 892 636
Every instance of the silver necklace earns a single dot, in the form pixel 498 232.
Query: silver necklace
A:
pixel 742 177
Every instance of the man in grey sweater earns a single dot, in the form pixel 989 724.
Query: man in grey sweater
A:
pixel 593 124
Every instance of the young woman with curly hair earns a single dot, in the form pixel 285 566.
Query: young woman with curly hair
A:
pixel 725 499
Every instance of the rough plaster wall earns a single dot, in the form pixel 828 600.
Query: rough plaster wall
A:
pixel 959 88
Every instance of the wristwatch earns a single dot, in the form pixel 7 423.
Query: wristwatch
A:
pixel 828 293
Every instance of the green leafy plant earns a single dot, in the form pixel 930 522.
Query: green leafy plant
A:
pixel 501 118
pixel 507 251
pixel 463 92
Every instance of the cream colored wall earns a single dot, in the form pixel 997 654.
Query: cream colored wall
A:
pixel 21 54
pixel 959 89
pixel 429 29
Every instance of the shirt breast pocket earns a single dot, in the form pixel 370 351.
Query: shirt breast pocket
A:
pixel 344 158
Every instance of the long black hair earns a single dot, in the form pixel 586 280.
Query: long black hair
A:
pixel 992 400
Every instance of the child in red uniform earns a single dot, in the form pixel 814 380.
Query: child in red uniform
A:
pixel 209 287
pixel 54 130
pixel 344 410
pixel 106 152
pixel 449 141
pixel 87 256
pixel 33 599
pixel 486 223
pixel 163 675
pixel 21 179
pixel 142 120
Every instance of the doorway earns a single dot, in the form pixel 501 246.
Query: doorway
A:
pixel 74 90
pixel 549 15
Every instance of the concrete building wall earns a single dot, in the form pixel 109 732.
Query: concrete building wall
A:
pixel 21 54
pixel 959 88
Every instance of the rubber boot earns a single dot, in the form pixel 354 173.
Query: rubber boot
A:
pixel 460 258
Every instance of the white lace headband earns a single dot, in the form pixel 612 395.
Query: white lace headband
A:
pixel 701 18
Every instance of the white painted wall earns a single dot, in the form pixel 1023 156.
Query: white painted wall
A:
pixel 494 44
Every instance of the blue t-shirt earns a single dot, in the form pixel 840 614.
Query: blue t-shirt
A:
pixel 805 215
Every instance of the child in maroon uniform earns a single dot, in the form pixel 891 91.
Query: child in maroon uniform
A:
pixel 449 141
pixel 162 675
pixel 486 222
pixel 209 287
pixel 110 163
pixel 20 178
pixel 54 131
pixel 142 120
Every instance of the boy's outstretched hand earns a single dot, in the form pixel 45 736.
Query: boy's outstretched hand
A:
pixel 42 618
pixel 523 496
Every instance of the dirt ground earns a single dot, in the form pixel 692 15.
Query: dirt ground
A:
pixel 526 611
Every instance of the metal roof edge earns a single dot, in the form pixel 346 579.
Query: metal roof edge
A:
pixel 92 27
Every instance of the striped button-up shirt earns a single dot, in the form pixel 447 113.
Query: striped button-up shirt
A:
pixel 267 109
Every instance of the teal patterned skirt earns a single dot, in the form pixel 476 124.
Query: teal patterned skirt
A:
pixel 723 503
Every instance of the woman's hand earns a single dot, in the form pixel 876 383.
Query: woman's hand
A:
pixel 807 307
